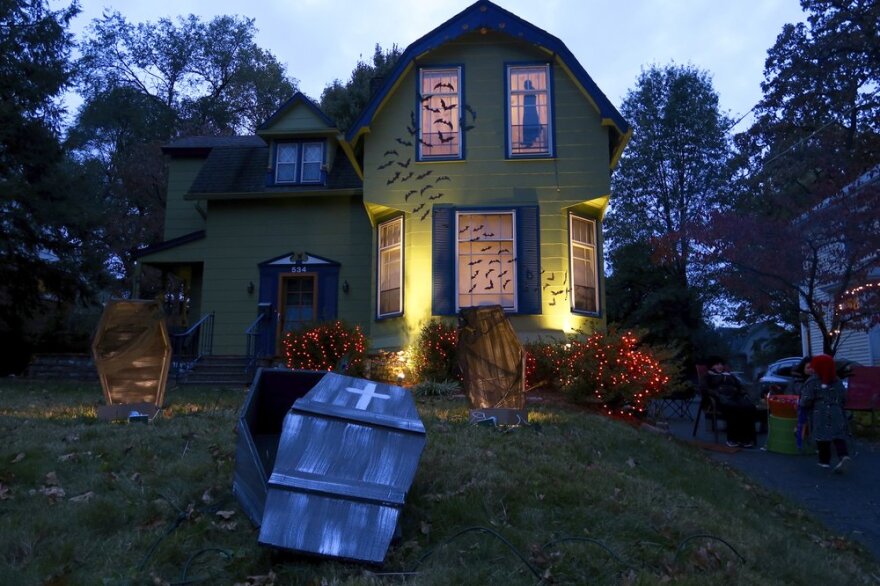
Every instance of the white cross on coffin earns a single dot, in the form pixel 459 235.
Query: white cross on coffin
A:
pixel 366 395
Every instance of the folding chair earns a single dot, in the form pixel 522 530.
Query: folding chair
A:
pixel 677 403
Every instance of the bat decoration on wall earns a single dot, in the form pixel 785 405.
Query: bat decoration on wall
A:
pixel 409 193
pixel 405 143
pixel 423 143
pixel 391 152
pixel 474 286
pixel 413 122
pixel 495 260
pixel 444 178
pixel 418 208
pixel 444 122
pixel 488 234
pixel 468 127
pixel 476 274
pixel 489 272
pixel 551 277
pixel 474 239
pixel 490 287
pixel 445 84
pixel 385 165
pixel 406 164
pixel 545 286
pixel 393 178
pixel 502 274
pixel 555 293
pixel 471 111
pixel 438 196
pixel 480 227
pixel 475 262
pixel 552 301
pixel 407 177
pixel 430 109
pixel 446 107
pixel 463 230
pixel 411 130
pixel 486 248
pixel 423 175
pixel 503 250
pixel 512 261
pixel 564 277
pixel 426 188
pixel 506 283
pixel 425 215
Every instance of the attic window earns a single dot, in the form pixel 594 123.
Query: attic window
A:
pixel 439 99
pixel 299 162
pixel 529 117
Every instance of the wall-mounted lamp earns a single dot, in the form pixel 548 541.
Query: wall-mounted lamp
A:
pixel 250 288
pixel 345 286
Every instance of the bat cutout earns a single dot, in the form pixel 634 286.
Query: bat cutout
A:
pixel 475 262
pixel 411 131
pixel 474 286
pixel 425 215
pixel 447 107
pixel 445 84
pixel 385 165
pixel 474 239
pixel 514 260
pixel 409 193
pixel 545 286
pixel 418 208
pixel 407 177
pixel 555 293
pixel 438 196
pixel 443 178
pixel 426 188
pixel 430 109
pixel 552 301
pixel 443 140
pixel 468 127
pixel 471 111
pixel 490 287
pixel 444 122
pixel 488 234
pixel 406 164
pixel 503 250
pixel 423 175
pixel 404 142
pixel 480 227
pixel 393 178
pixel 551 277
pixel 391 152
pixel 486 248
pixel 489 272
pixel 423 143
pixel 506 283
pixel 463 230
pixel 412 119
pixel 476 274
pixel 502 274
pixel 493 261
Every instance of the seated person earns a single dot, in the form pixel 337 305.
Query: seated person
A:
pixel 734 402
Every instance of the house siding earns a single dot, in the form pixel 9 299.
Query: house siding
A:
pixel 486 178
pixel 242 234
pixel 182 216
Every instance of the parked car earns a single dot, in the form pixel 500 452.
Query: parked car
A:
pixel 777 376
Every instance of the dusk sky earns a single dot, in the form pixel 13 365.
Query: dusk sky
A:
pixel 322 40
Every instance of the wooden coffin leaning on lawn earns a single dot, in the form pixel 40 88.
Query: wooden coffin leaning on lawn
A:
pixel 132 352
pixel 342 452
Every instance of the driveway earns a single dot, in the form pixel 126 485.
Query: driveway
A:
pixel 848 503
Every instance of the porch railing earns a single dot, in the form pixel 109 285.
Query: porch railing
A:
pixel 188 346
pixel 254 353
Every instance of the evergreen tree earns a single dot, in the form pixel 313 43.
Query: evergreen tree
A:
pixel 47 217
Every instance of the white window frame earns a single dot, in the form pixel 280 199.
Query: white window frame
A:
pixel 520 151
pixel 435 98
pixel 591 254
pixel 381 267
pixel 509 260
pixel 299 162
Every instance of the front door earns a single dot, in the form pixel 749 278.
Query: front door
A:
pixel 298 303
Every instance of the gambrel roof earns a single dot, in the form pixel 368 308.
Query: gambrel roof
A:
pixel 484 16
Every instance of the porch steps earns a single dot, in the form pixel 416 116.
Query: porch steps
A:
pixel 217 371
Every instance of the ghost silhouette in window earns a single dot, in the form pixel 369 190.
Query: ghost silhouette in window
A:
pixel 531 123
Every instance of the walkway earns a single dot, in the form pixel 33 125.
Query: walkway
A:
pixel 847 503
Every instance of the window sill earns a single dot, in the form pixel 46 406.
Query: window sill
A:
pixel 388 316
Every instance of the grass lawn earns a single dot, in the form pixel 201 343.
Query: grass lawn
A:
pixel 573 498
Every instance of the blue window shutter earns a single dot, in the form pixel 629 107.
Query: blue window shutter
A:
pixel 442 261
pixel 528 260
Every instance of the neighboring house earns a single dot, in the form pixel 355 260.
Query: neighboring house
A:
pixel 478 174
pixel 860 346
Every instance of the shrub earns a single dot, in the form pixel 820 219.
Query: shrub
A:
pixel 328 346
pixel 434 355
pixel 609 370
pixel 431 388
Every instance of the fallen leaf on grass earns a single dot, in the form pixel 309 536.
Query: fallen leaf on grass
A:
pixel 631 463
pixel 51 479
pixel 208 498
pixel 266 580
pixel 53 493
pixel 225 522
pixel 18 458
pixel 5 493
pixel 83 498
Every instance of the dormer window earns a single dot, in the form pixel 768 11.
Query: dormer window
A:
pixel 299 162
pixel 529 116
pixel 439 103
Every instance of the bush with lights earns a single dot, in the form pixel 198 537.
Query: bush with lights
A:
pixel 328 346
pixel 434 355
pixel 609 371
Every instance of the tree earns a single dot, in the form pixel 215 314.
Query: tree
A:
pixel 671 174
pixel 46 214
pixel 343 103
pixel 806 234
pixel 674 171
pixel 212 75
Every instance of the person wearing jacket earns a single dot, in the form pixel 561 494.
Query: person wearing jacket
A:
pixel 735 403
pixel 824 394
